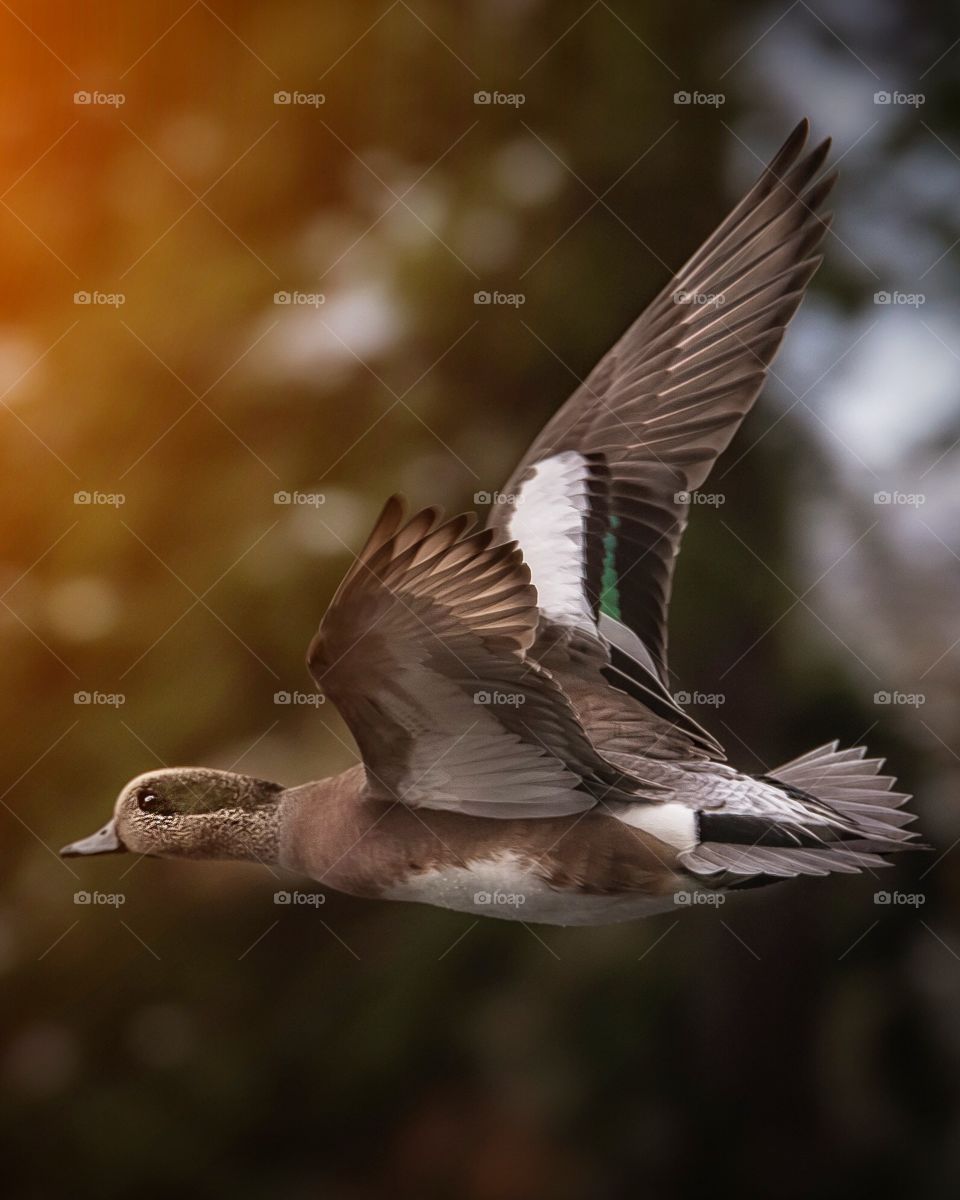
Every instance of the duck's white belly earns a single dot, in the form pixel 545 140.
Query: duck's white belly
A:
pixel 506 887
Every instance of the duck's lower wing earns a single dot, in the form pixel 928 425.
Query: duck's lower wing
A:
pixel 423 652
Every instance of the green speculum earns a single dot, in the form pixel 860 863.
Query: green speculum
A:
pixel 609 596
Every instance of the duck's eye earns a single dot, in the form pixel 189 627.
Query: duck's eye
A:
pixel 147 799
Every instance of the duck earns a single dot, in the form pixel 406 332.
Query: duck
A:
pixel 521 753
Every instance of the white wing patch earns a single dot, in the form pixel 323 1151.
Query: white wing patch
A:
pixel 549 522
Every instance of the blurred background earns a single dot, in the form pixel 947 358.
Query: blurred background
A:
pixel 240 246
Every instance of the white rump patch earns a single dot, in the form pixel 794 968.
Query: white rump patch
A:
pixel 675 824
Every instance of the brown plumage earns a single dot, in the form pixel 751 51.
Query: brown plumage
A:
pixel 422 650
pixel 507 687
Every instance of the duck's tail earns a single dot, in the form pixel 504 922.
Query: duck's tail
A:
pixel 847 819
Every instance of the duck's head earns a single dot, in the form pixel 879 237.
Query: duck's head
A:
pixel 190 812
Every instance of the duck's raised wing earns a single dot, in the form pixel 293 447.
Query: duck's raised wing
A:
pixel 599 503
pixel 423 651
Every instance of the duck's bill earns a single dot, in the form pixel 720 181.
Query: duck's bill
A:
pixel 104 841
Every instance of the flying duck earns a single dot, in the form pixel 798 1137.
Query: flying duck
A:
pixel 522 755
